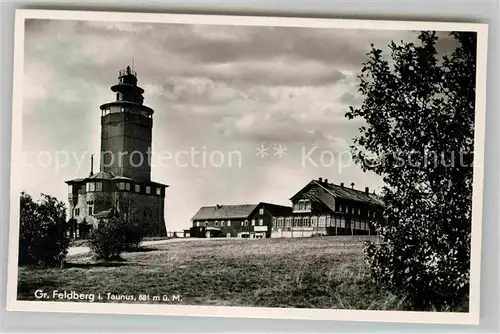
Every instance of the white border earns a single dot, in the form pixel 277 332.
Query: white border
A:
pixel 472 317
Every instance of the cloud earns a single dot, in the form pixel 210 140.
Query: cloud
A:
pixel 219 87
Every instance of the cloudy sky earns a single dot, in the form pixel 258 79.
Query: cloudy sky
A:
pixel 214 89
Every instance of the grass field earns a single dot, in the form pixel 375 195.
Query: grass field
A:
pixel 326 272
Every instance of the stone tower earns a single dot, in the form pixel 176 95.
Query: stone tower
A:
pixel 126 130
pixel 123 186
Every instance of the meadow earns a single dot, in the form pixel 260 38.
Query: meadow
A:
pixel 319 272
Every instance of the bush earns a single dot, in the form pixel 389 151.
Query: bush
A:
pixel 134 233
pixel 43 237
pixel 108 240
pixel 112 237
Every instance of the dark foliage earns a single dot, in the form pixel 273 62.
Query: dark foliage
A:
pixel 419 136
pixel 43 237
pixel 114 236
pixel 134 232
pixel 107 241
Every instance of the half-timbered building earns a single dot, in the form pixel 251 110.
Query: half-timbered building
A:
pixel 323 208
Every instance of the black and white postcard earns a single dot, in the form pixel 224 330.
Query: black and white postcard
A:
pixel 260 167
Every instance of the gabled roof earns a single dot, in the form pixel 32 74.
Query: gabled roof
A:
pixel 277 210
pixel 338 191
pixel 239 211
pixel 224 212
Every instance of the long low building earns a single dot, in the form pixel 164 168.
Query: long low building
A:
pixel 319 208
pixel 237 221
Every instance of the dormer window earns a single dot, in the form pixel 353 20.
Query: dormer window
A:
pixel 303 205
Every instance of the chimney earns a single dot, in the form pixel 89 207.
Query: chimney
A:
pixel 352 185
pixel 326 181
pixel 218 206
pixel 320 180
pixel 342 185
pixel 91 165
pixel 367 190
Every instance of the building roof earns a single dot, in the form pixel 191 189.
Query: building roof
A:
pixel 104 214
pixel 224 211
pixel 239 211
pixel 102 175
pixel 340 191
pixel 277 210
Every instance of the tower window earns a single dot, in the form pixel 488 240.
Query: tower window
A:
pixel 98 186
pixel 137 188
pixel 148 189
pixel 158 191
pixel 90 186
pixel 127 186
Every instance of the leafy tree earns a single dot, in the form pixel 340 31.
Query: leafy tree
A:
pixel 43 237
pixel 418 135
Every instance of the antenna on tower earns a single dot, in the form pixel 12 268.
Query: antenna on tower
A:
pixel 91 164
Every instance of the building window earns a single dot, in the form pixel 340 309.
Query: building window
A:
pixel 228 223
pixel 91 210
pixel 158 191
pixel 206 223
pixel 70 189
pixel 137 188
pixel 253 222
pixel 127 186
pixel 148 189
pixel 197 224
pixel 222 223
pixel 303 205
pixel 261 221
pixel 359 211
pixel 245 223
pixel 90 186
pixel 121 185
pixel 216 223
pixel 77 211
pixel 261 211
pixel 98 186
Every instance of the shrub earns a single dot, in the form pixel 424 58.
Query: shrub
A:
pixel 43 237
pixel 108 240
pixel 134 232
